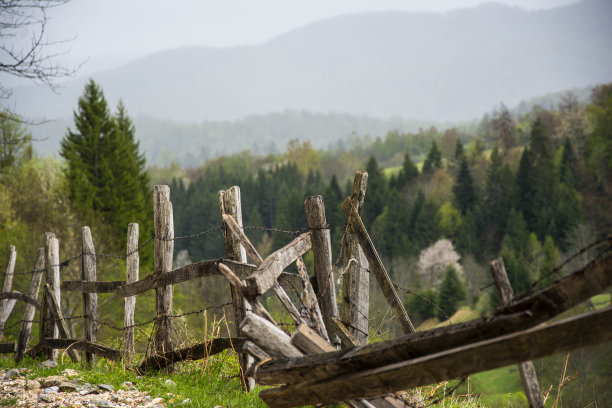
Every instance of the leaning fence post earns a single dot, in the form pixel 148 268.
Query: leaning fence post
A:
pixel 6 305
pixel 164 252
pixel 52 278
pixel 230 203
pixel 321 248
pixel 30 309
pixel 131 275
pixel 356 280
pixel 526 368
pixel 90 300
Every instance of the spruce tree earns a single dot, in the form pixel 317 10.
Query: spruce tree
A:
pixel 463 189
pixel 107 180
pixel 452 292
pixel 433 160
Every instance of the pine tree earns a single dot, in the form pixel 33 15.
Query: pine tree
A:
pixel 105 172
pixel 433 160
pixel 463 190
pixel 377 191
pixel 452 292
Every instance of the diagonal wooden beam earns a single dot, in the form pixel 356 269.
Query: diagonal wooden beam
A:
pixel 569 334
pixel 60 323
pixel 268 272
pixel 377 267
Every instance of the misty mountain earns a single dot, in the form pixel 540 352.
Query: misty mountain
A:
pixel 440 66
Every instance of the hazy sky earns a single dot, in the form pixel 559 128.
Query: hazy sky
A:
pixel 109 32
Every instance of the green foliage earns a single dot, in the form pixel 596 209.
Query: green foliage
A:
pixel 15 142
pixel 106 175
pixel 463 189
pixel 433 160
pixel 452 293
pixel 450 220
pixel 421 307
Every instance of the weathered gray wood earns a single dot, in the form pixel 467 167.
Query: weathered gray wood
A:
pixel 131 275
pixel 377 267
pixel 90 300
pixel 230 204
pixel 196 352
pixel 233 226
pixel 356 279
pixel 14 295
pixel 309 300
pixel 30 309
pixel 7 348
pixel 186 273
pixel 309 341
pixel 526 368
pixel 91 287
pixel 164 253
pixel 348 340
pixel 255 351
pixel 323 268
pixel 88 347
pixel 268 272
pixel 240 286
pixel 58 318
pixel 268 337
pixel 569 334
pixel 547 303
pixel 48 328
pixel 6 305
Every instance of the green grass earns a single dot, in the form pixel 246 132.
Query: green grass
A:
pixel 206 384
pixel 601 301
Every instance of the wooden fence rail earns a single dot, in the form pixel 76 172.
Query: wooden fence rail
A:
pixel 308 361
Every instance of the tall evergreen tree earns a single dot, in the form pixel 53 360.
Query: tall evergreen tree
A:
pixel 452 292
pixel 374 205
pixel 105 172
pixel 433 160
pixel 463 190
pixel 408 173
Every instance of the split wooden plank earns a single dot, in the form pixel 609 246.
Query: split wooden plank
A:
pixel 87 346
pixel 6 304
pixel 91 286
pixel 547 303
pixel 14 295
pixel 526 368
pixel 186 273
pixel 30 309
pixel 163 254
pixel 348 340
pixel 356 278
pixel 90 300
pixel 268 272
pixel 239 234
pixel 569 334
pixel 131 275
pixel 323 268
pixel 58 318
pixel 48 328
pixel 255 351
pixel 268 337
pixel 195 352
pixel 309 299
pixel 377 267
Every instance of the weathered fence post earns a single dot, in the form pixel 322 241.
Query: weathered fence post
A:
pixel 30 309
pixel 6 305
pixel 321 248
pixel 526 369
pixel 230 203
pixel 356 281
pixel 48 328
pixel 131 275
pixel 164 252
pixel 90 300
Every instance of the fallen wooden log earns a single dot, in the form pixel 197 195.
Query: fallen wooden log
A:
pixel 268 337
pixel 20 296
pixel 587 329
pixel 91 286
pixel 196 352
pixel 507 320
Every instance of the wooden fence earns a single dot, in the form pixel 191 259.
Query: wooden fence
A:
pixel 327 358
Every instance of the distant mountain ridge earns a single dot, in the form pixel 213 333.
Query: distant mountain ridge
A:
pixel 430 66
